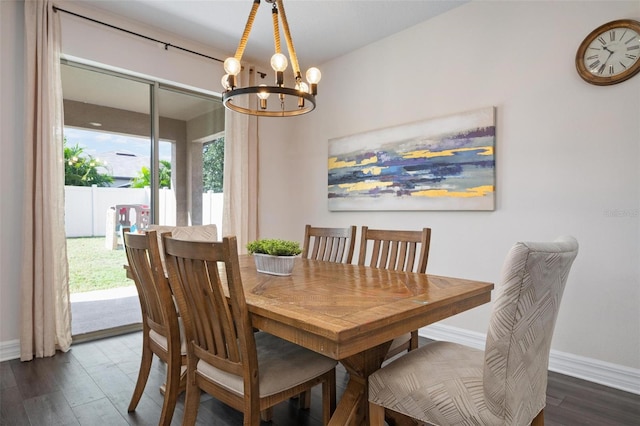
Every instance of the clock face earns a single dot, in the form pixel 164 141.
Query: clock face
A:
pixel 611 53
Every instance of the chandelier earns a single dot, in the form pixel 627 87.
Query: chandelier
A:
pixel 277 100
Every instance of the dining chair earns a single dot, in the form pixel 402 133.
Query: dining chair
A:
pixel 445 383
pixel 399 251
pixel 161 333
pixel 250 371
pixel 329 244
pixel 184 232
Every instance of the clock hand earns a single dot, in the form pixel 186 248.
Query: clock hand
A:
pixel 607 49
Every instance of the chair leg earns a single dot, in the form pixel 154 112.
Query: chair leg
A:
pixel 328 396
pixel 191 403
pixel 267 414
pixel 539 419
pixel 304 400
pixel 143 375
pixel 171 392
pixel 376 415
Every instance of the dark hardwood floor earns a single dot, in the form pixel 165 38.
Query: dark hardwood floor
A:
pixel 93 382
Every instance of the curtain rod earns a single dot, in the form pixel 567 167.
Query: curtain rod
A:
pixel 166 45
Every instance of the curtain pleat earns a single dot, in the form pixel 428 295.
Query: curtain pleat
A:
pixel 46 309
pixel 240 185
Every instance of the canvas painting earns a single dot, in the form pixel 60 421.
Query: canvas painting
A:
pixel 444 163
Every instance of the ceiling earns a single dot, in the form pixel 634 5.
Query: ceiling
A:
pixel 321 29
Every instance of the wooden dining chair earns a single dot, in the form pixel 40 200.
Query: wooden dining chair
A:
pixel 399 251
pixel 446 383
pixel 225 358
pixel 160 324
pixel 207 232
pixel 329 244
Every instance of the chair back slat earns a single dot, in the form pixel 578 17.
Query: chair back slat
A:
pixel 151 300
pixel 329 244
pixel 395 250
pixel 199 274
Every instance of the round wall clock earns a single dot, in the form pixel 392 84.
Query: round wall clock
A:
pixel 610 54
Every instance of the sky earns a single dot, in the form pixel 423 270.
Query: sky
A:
pixel 95 143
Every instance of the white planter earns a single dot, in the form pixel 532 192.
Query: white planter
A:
pixel 274 265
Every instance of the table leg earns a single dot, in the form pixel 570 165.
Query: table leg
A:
pixel 353 408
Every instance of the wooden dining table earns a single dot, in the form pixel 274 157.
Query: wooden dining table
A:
pixel 351 313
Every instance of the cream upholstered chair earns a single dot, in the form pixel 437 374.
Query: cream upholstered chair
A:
pixel 329 244
pixel 445 383
pixel 161 333
pixel 249 371
pixel 399 251
pixel 186 232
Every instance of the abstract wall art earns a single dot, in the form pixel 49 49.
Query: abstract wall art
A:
pixel 444 163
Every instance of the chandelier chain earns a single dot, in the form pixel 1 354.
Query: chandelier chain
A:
pixel 276 29
pixel 247 29
pixel 287 37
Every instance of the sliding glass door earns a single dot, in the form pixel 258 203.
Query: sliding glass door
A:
pixel 133 157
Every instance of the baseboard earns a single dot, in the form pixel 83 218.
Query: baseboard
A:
pixel 593 370
pixel 9 350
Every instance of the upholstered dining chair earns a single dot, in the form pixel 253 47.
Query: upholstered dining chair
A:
pixel 161 333
pixel 184 232
pixel 445 383
pixel 399 251
pixel 329 244
pixel 225 358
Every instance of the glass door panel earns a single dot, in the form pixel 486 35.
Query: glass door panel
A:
pixel 108 143
pixel 188 120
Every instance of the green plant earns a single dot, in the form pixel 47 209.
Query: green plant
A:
pixel 213 165
pixel 274 247
pixel 143 178
pixel 81 169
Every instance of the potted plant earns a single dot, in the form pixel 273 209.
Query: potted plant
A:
pixel 273 256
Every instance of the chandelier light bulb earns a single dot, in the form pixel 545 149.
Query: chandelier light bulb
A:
pixel 279 62
pixel 232 66
pixel 313 75
pixel 225 82
pixel 302 87
pixel 263 94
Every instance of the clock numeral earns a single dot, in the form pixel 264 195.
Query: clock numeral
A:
pixel 601 40
pixel 592 57
pixel 601 69
pixel 630 40
pixel 623 65
pixel 636 47
pixel 611 70
pixel 594 65
pixel 612 35
pixel 632 57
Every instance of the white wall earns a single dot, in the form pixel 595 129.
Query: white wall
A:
pixel 567 155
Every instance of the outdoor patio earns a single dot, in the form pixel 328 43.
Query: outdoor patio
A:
pixel 105 312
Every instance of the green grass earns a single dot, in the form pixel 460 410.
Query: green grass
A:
pixel 93 267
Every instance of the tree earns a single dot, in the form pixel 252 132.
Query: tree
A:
pixel 143 178
pixel 213 165
pixel 82 169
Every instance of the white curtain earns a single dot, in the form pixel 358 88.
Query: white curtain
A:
pixel 240 212
pixel 46 310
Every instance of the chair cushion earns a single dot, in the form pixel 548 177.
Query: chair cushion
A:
pixel 439 383
pixel 282 365
pixel 162 340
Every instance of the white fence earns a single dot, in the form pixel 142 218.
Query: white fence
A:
pixel 86 208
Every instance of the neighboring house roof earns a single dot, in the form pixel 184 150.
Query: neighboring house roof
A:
pixel 123 164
